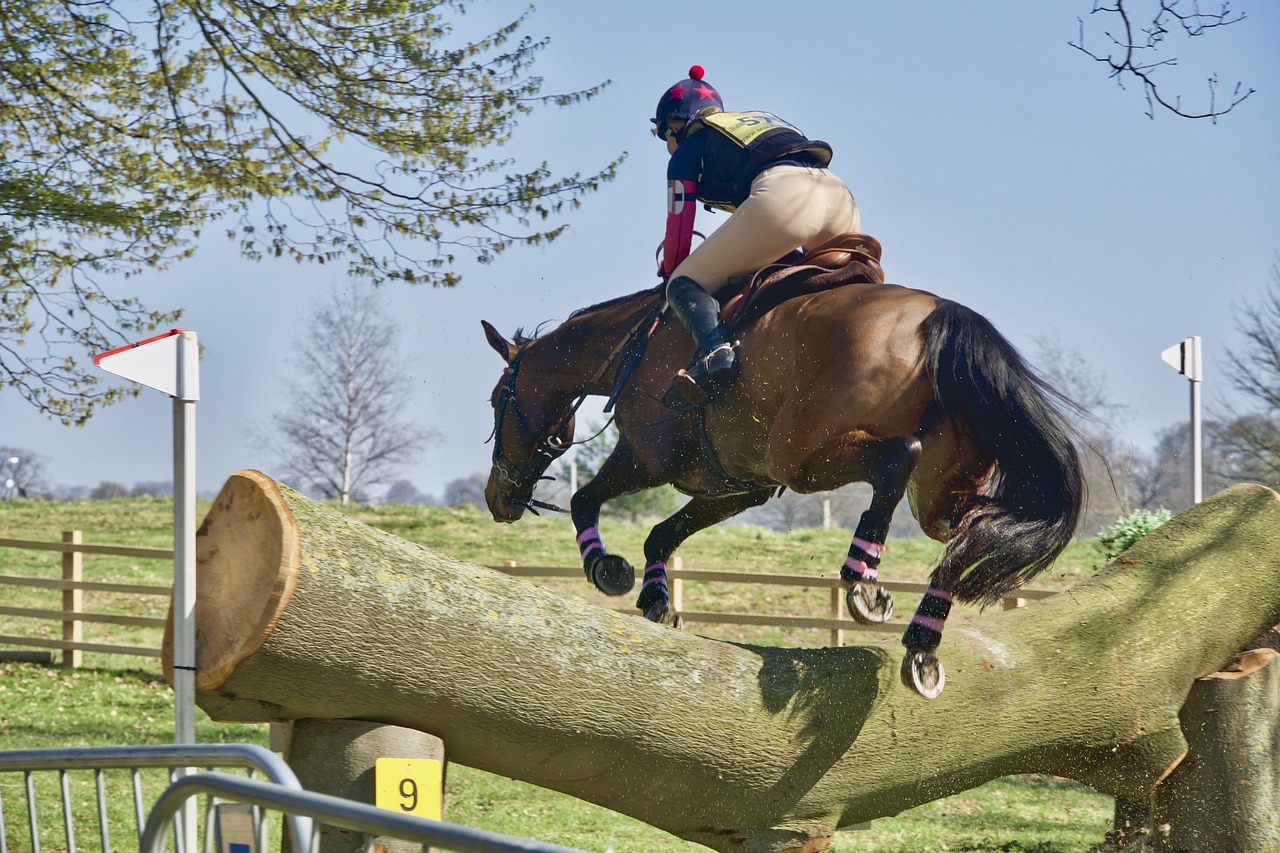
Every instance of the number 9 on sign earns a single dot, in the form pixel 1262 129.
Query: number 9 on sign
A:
pixel 410 786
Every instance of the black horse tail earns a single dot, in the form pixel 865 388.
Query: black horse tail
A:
pixel 1028 508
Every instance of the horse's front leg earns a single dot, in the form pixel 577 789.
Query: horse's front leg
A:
pixel 621 474
pixel 698 514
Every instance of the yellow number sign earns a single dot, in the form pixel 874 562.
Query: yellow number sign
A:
pixel 410 786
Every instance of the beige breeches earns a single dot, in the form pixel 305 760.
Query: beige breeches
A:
pixel 789 207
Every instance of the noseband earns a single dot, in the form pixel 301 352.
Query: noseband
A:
pixel 545 449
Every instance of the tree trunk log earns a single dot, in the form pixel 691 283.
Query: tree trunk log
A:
pixel 303 613
pixel 1226 794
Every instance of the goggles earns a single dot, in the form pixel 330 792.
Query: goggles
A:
pixel 664 130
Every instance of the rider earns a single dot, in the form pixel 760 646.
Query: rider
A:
pixel 781 194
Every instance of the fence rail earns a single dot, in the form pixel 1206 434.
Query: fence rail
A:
pixel 73 586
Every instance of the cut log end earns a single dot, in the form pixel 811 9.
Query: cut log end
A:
pixel 1245 663
pixel 247 555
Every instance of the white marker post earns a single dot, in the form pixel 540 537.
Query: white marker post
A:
pixel 171 363
pixel 1185 358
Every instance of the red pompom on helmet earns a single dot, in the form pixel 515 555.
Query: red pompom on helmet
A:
pixel 683 100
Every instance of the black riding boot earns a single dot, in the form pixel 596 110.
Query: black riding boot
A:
pixel 714 363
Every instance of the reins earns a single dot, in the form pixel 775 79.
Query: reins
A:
pixel 549 448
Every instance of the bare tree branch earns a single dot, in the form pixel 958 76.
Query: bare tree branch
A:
pixel 1133 47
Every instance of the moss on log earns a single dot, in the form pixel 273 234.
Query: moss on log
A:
pixel 303 613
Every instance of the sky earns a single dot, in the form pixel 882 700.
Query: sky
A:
pixel 998 166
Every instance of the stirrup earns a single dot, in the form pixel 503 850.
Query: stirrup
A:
pixel 717 379
pixel 698 384
pixel 684 393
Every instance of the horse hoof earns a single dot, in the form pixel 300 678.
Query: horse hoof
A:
pixel 662 613
pixel 611 574
pixel 869 603
pixel 923 673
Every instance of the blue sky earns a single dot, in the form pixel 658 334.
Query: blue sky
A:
pixel 998 167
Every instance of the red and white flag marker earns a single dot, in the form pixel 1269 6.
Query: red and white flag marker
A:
pixel 170 363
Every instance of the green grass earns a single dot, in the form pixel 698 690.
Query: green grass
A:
pixel 119 700
pixel 43 707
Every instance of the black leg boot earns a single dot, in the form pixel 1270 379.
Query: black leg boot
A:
pixel 714 363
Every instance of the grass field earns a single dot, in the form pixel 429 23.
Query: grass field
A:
pixel 124 700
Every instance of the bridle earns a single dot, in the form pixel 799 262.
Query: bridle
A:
pixel 549 448
pixel 546 449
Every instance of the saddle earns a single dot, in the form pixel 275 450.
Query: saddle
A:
pixel 842 260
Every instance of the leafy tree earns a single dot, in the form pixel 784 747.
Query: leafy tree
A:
pixel 324 132
pixel 1128 529
pixel 340 433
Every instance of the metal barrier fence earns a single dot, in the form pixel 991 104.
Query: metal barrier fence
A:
pixel 304 811
pixel 331 811
pixel 173 757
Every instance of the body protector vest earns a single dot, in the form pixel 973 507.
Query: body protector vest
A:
pixel 741 145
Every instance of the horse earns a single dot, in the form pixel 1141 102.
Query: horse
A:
pixel 914 394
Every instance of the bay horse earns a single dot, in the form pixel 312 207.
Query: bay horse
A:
pixel 914 394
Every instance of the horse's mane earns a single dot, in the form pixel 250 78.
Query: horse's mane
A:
pixel 617 300
pixel 521 338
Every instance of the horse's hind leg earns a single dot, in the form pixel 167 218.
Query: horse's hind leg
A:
pixel 921 669
pixel 621 474
pixel 893 461
pixel 944 493
pixel 698 514
pixel 887 465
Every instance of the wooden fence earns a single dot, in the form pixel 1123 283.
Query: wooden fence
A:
pixel 73 616
pixel 73 586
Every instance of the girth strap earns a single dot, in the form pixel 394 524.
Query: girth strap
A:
pixel 731 484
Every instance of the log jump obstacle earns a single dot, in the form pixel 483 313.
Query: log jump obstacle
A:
pixel 306 614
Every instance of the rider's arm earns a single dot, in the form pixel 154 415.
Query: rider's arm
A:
pixel 682 205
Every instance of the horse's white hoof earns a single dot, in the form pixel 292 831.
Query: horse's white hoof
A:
pixel 923 673
pixel 869 603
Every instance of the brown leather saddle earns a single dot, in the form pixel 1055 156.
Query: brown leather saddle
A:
pixel 843 260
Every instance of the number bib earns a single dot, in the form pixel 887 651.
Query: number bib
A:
pixel 745 128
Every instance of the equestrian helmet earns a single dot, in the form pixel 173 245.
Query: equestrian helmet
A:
pixel 682 101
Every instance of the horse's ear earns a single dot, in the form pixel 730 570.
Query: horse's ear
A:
pixel 501 345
